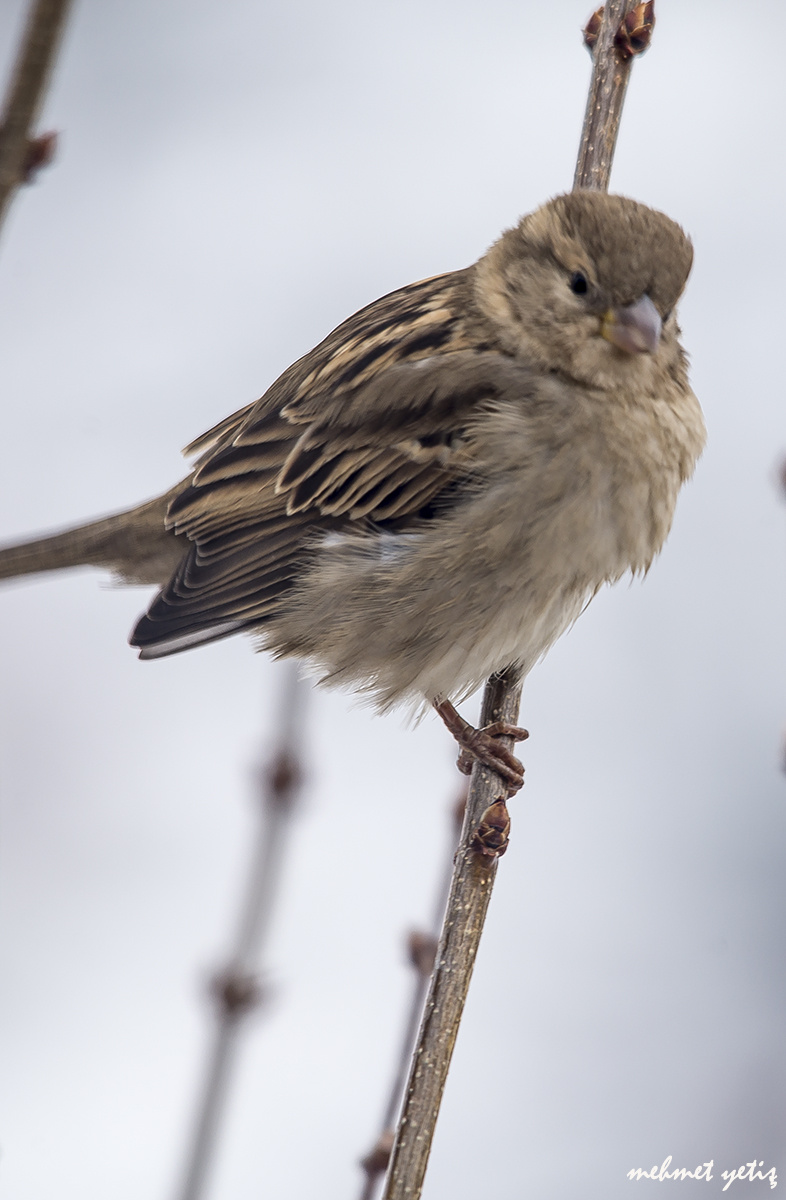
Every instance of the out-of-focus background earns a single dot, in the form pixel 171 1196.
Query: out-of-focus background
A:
pixel 232 181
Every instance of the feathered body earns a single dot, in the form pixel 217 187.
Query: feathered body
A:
pixel 437 489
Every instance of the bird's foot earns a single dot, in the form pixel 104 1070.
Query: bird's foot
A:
pixel 481 745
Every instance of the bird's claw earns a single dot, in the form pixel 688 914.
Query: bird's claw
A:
pixel 482 745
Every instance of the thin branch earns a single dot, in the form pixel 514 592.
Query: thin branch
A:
pixel 486 823
pixel 422 952
pixel 623 31
pixel 470 891
pixel 236 989
pixel 20 154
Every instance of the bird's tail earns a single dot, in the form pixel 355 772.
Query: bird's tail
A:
pixel 134 545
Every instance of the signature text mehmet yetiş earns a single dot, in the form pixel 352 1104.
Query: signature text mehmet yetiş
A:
pixel 750 1171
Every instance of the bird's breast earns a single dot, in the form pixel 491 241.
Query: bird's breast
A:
pixel 565 496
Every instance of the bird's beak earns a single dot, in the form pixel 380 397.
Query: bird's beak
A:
pixel 634 328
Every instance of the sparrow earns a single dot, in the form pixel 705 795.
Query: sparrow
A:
pixel 435 492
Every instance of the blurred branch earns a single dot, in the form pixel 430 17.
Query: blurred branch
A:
pixel 781 481
pixel 421 951
pixel 236 989
pixel 20 154
pixel 486 823
pixel 782 477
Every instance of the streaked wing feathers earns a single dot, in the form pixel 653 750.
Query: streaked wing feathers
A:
pixel 367 426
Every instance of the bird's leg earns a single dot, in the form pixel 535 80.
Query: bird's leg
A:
pixel 482 744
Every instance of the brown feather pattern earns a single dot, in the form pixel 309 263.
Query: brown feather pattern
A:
pixel 354 431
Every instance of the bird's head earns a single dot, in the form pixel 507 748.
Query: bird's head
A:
pixel 586 286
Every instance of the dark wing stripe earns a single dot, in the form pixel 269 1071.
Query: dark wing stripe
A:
pixel 320 445
pixel 348 472
pixel 362 500
pixel 407 498
pixel 372 471
pixel 339 484
pixel 304 457
pixel 324 479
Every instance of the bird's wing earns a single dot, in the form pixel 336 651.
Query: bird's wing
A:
pixel 366 427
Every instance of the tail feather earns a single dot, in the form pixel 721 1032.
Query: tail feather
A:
pixel 134 545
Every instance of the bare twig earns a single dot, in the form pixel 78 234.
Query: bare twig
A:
pixel 484 835
pixel 21 154
pixel 613 43
pixel 422 950
pixel 473 876
pixel 236 989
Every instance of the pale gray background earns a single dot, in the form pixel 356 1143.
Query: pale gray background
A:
pixel 233 180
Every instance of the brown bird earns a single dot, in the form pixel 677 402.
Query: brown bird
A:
pixel 437 489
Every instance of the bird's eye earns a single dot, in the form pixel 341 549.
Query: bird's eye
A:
pixel 667 314
pixel 578 283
